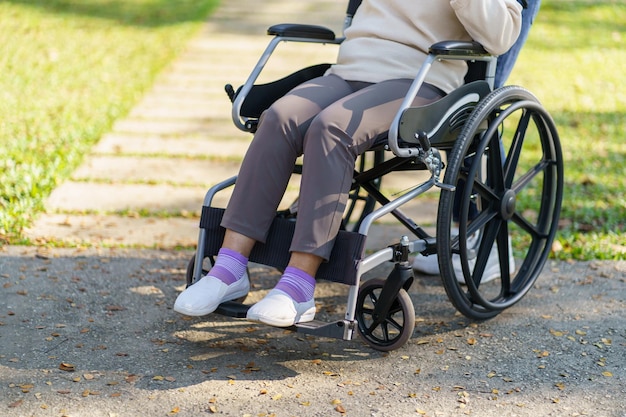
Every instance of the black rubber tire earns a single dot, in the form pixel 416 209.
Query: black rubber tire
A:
pixel 395 329
pixel 515 195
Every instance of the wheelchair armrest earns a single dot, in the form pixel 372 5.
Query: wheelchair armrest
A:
pixel 441 121
pixel 295 30
pixel 458 48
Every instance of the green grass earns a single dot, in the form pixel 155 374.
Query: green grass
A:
pixel 69 69
pixel 574 62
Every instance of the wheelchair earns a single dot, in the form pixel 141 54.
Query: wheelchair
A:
pixel 502 180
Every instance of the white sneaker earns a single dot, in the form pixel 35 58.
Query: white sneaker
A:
pixel 492 269
pixel 429 265
pixel 206 295
pixel 280 310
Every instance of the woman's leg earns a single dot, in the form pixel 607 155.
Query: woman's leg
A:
pixel 335 138
pixel 270 159
pixel 262 180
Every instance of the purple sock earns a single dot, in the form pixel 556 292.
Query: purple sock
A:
pixel 229 266
pixel 296 283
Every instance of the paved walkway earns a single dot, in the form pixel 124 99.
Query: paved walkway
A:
pixel 144 182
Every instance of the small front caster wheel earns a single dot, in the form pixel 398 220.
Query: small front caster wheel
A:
pixel 391 331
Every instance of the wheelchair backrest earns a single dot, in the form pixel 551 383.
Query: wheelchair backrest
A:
pixel 352 6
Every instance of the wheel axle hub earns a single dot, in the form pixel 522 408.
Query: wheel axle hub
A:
pixel 507 204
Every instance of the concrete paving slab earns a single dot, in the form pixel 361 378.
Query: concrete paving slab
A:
pixel 112 231
pixel 81 197
pixel 162 170
pixel 85 197
pixel 172 127
pixel 253 18
pixel 198 145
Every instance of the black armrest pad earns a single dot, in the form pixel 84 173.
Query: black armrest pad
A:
pixel 295 30
pixel 468 48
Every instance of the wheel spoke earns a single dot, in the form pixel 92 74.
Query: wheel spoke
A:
pixel 373 298
pixel 395 308
pixel 519 219
pixel 369 311
pixel 527 178
pixel 485 191
pixel 372 327
pixel 394 323
pixel 487 240
pixel 515 151
pixel 385 331
pixel 485 217
pixel 503 255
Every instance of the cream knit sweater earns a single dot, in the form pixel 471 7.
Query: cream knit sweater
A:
pixel 389 39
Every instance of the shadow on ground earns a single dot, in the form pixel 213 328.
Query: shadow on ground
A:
pixel 85 330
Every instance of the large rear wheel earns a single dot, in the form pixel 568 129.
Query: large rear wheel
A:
pixel 508 169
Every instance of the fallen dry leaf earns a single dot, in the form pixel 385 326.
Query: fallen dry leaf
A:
pixel 26 387
pixel 132 378
pixel 16 404
pixel 67 367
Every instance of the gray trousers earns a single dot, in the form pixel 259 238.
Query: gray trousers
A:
pixel 330 121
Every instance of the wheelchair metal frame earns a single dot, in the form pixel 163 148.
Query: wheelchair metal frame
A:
pixel 418 148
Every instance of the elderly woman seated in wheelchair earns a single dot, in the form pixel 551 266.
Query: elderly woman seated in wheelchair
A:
pixel 401 84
